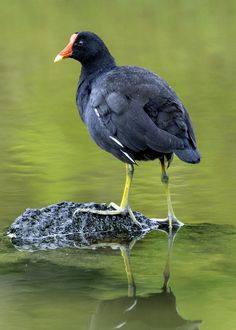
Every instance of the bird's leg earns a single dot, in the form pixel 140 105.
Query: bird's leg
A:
pixel 128 180
pixel 165 180
pixel 124 205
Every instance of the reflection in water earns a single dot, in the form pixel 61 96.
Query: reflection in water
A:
pixel 171 234
pixel 156 311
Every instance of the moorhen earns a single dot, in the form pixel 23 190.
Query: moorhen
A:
pixel 131 113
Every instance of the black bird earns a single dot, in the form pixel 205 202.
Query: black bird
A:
pixel 130 112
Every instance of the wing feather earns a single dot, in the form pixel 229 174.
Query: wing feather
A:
pixel 127 121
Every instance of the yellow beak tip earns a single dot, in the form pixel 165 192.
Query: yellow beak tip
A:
pixel 58 58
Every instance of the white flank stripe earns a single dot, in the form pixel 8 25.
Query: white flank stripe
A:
pixel 116 141
pixel 128 156
pixel 96 111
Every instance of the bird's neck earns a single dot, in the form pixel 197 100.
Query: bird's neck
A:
pixel 95 68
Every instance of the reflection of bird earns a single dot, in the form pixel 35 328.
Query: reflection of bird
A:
pixel 129 112
pixel 156 310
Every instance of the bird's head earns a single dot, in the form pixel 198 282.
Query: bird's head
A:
pixel 84 47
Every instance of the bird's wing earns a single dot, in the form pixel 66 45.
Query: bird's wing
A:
pixel 172 117
pixel 140 110
pixel 128 122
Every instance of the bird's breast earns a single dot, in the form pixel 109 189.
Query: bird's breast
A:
pixel 82 98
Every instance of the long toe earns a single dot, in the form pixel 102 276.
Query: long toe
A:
pixel 117 210
pixel 115 206
pixel 173 221
pixel 80 210
pixel 169 222
pixel 132 216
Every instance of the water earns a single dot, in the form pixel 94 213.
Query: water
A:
pixel 47 156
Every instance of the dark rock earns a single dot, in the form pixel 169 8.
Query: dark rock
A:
pixel 55 226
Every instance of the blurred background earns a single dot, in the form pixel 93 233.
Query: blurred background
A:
pixel 47 155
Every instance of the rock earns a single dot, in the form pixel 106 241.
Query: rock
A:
pixel 55 226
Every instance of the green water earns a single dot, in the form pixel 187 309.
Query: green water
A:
pixel 47 156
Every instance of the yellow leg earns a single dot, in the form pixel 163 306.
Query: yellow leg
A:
pixel 128 179
pixel 165 180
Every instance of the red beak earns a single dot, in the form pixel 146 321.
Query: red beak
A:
pixel 67 51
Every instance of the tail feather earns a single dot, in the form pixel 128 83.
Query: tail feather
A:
pixel 189 155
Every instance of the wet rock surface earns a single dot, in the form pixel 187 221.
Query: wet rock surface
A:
pixel 56 226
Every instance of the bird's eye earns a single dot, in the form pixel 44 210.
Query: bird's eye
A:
pixel 79 43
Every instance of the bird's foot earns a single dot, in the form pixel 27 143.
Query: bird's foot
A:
pixel 117 210
pixel 170 222
pixel 126 210
pixel 173 221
